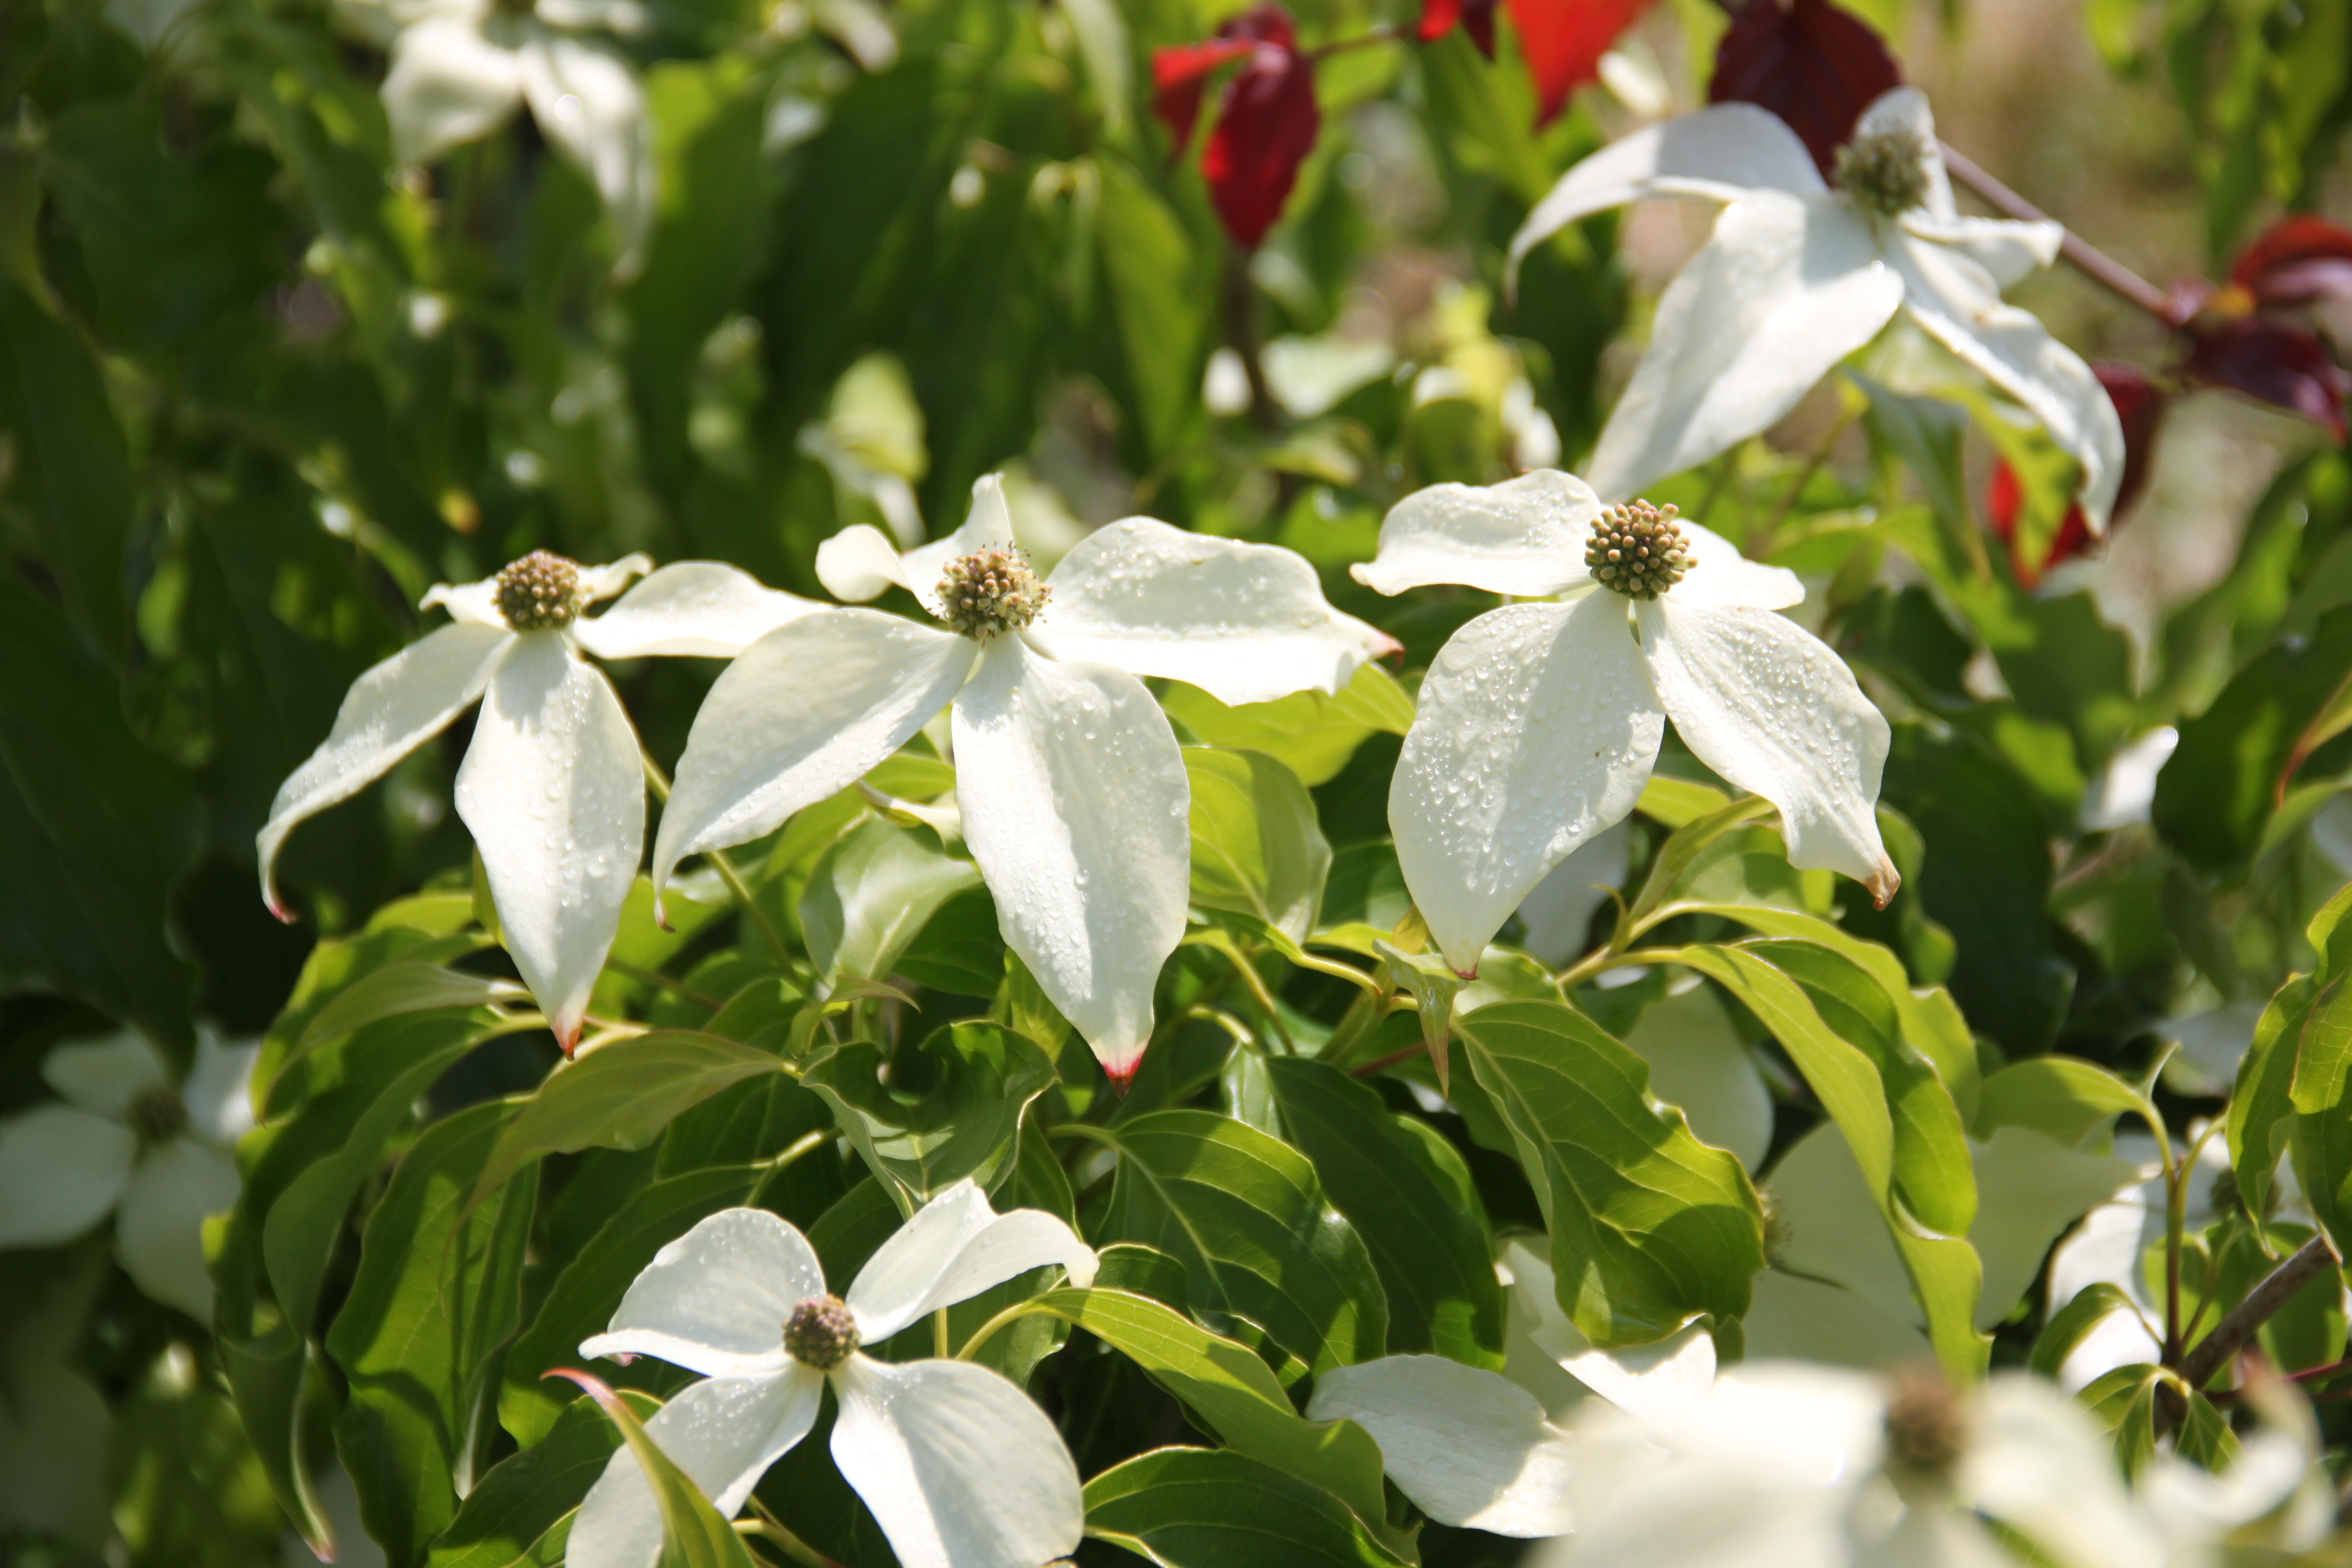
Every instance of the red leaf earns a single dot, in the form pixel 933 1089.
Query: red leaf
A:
pixel 1179 74
pixel 1564 40
pixel 1476 17
pixel 1816 67
pixel 2277 362
pixel 2139 405
pixel 2298 260
pixel 1267 125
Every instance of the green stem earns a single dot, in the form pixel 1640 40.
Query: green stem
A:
pixel 806 1143
pixel 1256 982
pixel 766 1528
pixel 987 1330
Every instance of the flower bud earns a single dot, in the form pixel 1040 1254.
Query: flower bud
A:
pixel 540 593
pixel 990 590
pixel 821 1332
pixel 1637 550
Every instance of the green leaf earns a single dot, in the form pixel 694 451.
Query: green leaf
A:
pixel 1207 1507
pixel 1247 1217
pixel 520 1514
pixel 75 470
pixel 1648 1224
pixel 1229 1391
pixel 963 1123
pixel 1410 1196
pixel 2091 1306
pixel 2064 1097
pixel 871 895
pixel 1681 854
pixel 1256 848
pixel 693 1535
pixel 400 988
pixel 2235 759
pixel 1155 293
pixel 1946 1276
pixel 581 1300
pixel 1309 732
pixel 1677 803
pixel 621 1096
pixel 437 1296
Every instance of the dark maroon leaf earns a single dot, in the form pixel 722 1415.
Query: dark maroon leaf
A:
pixel 2298 260
pixel 1476 17
pixel 1179 74
pixel 2282 364
pixel 1816 67
pixel 1563 41
pixel 1267 125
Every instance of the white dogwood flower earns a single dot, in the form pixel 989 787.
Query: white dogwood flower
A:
pixel 130 1141
pixel 1789 1465
pixel 1072 794
pixel 552 787
pixel 1799 275
pixel 460 68
pixel 1538 723
pixel 960 1468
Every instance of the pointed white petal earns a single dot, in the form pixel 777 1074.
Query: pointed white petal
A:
pixel 1697 1062
pixel 988 524
pixel 1784 289
pixel 626 17
pixel 1957 302
pixel 859 563
pixel 695 608
pixel 448 85
pixel 470 604
pixel 1538 728
pixel 723 1432
pixel 1718 153
pixel 1903 108
pixel 715 1299
pixel 1525 537
pixel 2036 1461
pixel 2009 251
pixel 1655 1382
pixel 1075 803
pixel 1246 623
pixel 553 791
pixel 2030 1188
pixel 955 1247
pixel 1720 574
pixel 387 713
pixel 587 102
pixel 960 1468
pixel 598 584
pixel 802 714
pixel 158 1232
pixel 219 1090
pixel 104 1076
pixel 61 1171
pixel 1468 1446
pixel 1766 704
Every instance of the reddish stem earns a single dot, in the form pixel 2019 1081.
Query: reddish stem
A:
pixel 2096 265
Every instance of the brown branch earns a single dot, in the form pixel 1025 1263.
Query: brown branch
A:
pixel 2213 1352
pixel 1240 332
pixel 2096 264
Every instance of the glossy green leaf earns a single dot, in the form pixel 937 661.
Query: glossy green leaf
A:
pixel 872 894
pixel 519 1514
pixel 1309 732
pixel 1207 1507
pixel 1410 1196
pixel 963 1123
pixel 2064 1097
pixel 1256 847
pixel 400 988
pixel 1247 1217
pixel 1648 1224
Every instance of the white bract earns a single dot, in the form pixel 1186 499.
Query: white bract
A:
pixel 130 1141
pixel 460 68
pixel 552 787
pixel 1071 791
pixel 959 1468
pixel 1799 275
pixel 1792 1465
pixel 1538 723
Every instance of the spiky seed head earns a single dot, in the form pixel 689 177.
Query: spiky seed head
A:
pixel 1927 1426
pixel 157 1116
pixel 540 593
pixel 821 1332
pixel 990 590
pixel 1884 173
pixel 1638 550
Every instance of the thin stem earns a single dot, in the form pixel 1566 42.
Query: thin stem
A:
pixel 1240 332
pixel 1716 483
pixel 1256 983
pixel 1224 1020
pixel 1381 1064
pixel 766 1528
pixel 2213 1352
pixel 1385 32
pixel 1606 959
pixel 1345 972
pixel 987 1330
pixel 806 1143
pixel 939 1334
pixel 2095 264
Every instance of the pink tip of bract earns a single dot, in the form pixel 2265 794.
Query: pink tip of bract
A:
pixel 1385 646
pixel 1122 1080
pixel 567 1037
pixel 1469 973
pixel 284 916
pixel 1884 884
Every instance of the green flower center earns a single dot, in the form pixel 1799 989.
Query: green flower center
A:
pixel 990 590
pixel 1884 172
pixel 1638 550
pixel 821 1332
pixel 540 593
pixel 157 1116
